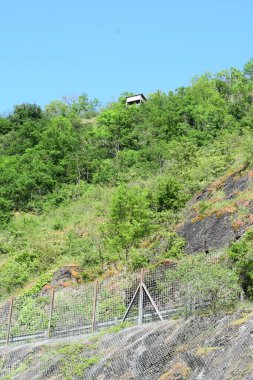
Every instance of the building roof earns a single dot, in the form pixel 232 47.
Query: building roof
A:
pixel 134 96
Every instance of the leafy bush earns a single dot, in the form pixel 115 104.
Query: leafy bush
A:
pixel 31 315
pixel 168 195
pixel 206 284
pixel 157 247
pixel 76 358
pixel 241 255
pixel 13 275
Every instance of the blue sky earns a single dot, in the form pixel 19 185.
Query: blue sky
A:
pixel 51 48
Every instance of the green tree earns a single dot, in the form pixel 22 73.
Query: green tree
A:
pixel 26 111
pixel 130 220
pixel 248 69
pixel 56 108
pixel 117 127
pixel 73 105
pixel 5 125
pixel 168 195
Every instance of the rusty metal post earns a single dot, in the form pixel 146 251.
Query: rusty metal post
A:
pixel 94 311
pixel 9 320
pixel 50 314
pixel 141 298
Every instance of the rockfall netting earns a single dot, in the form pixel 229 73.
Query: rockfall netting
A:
pixel 77 333
pixel 210 348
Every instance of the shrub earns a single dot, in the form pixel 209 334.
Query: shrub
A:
pixel 168 195
pixel 204 284
pixel 241 255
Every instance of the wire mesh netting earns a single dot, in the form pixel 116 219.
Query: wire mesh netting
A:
pixel 4 315
pixel 72 311
pixel 168 291
pixel 199 347
pixel 173 290
pixel 114 296
pixel 29 317
pixel 164 292
pixel 78 333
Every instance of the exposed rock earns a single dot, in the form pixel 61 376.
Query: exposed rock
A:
pixel 199 348
pixel 218 228
pixel 233 185
pixel 208 233
pixel 69 275
pixel 207 348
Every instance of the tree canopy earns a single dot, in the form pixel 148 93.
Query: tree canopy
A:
pixel 148 159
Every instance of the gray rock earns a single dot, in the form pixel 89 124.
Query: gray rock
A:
pixel 199 348
pixel 215 231
pixel 209 348
pixel 208 234
pixel 233 185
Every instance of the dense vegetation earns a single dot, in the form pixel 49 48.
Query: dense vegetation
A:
pixel 105 187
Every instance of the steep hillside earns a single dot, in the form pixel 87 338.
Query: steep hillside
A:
pixel 210 348
pixel 86 193
pixel 106 189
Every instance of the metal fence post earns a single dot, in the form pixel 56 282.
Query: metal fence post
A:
pixel 94 310
pixel 9 320
pixel 141 298
pixel 50 314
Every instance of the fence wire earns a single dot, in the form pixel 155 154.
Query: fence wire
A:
pixel 168 291
pixel 72 311
pixel 210 348
pixel 177 293
pixel 29 317
pixel 4 315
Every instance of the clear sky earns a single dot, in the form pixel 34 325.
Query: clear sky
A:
pixel 51 48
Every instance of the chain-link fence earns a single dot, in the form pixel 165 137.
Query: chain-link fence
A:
pixel 78 333
pixel 174 289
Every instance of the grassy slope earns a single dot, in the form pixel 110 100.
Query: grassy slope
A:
pixel 36 244
pixel 59 236
pixel 49 236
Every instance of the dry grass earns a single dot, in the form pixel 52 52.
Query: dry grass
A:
pixel 205 350
pixel 179 371
pixel 242 320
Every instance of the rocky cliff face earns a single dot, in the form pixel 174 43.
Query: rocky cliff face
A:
pixel 199 348
pixel 208 348
pixel 220 214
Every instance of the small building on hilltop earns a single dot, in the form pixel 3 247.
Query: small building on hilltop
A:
pixel 135 99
